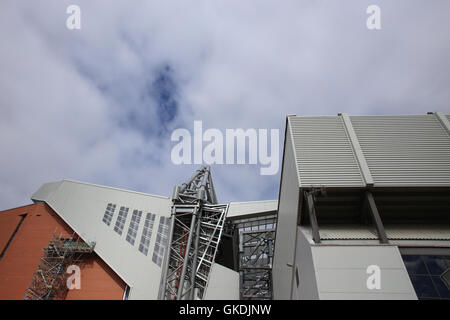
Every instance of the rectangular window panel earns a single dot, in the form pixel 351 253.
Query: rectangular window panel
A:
pixel 134 225
pixel 147 233
pixel 109 212
pixel 120 222
pixel 161 240
pixel 426 273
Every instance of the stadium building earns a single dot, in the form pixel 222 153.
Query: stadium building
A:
pixel 363 212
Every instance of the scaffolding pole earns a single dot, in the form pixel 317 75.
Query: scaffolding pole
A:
pixel 49 280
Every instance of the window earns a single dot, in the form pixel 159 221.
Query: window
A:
pixel 120 222
pixel 161 240
pixel 147 233
pixel 109 212
pixel 427 274
pixel 134 225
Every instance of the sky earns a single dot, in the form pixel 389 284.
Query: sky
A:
pixel 99 104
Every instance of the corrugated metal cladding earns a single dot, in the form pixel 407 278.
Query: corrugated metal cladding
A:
pixel 393 232
pixel 404 150
pixel 346 231
pixel 400 151
pixel 414 232
pixel 324 153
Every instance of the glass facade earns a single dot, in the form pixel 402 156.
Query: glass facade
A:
pixel 147 233
pixel 109 212
pixel 161 240
pixel 120 222
pixel 428 274
pixel 134 225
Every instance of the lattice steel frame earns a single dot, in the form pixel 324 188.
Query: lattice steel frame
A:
pixel 256 245
pixel 195 231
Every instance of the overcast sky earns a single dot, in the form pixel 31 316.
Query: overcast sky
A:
pixel 99 104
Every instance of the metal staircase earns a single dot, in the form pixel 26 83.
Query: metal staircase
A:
pixel 211 226
pixel 196 227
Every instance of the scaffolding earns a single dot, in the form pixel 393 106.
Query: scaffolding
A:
pixel 196 227
pixel 49 280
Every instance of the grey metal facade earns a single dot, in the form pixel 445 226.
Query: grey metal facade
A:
pixel 323 152
pixel 405 150
pixel 358 184
pixel 411 150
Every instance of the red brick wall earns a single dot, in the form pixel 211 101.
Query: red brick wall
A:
pixel 22 257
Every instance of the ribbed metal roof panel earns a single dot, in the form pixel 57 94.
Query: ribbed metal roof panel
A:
pixel 393 232
pixel 347 232
pixel 405 150
pixel 415 232
pixel 323 152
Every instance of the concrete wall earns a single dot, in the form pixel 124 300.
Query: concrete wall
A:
pixel 286 224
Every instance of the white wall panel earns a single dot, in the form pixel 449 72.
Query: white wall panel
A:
pixel 223 284
pixel 341 271
pixel 82 207
pixel 242 209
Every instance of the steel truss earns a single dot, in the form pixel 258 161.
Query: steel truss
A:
pixel 256 245
pixel 49 280
pixel 195 230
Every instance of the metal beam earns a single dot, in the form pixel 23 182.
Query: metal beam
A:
pixel 186 258
pixel 367 176
pixel 312 216
pixel 444 121
pixel 163 288
pixel 376 217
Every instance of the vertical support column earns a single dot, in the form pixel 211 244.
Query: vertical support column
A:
pixel 376 217
pixel 194 258
pixel 186 255
pixel 212 190
pixel 162 292
pixel 180 271
pixel 312 216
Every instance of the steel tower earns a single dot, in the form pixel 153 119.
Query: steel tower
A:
pixel 195 230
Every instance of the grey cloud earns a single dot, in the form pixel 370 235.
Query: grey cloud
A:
pixel 66 96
